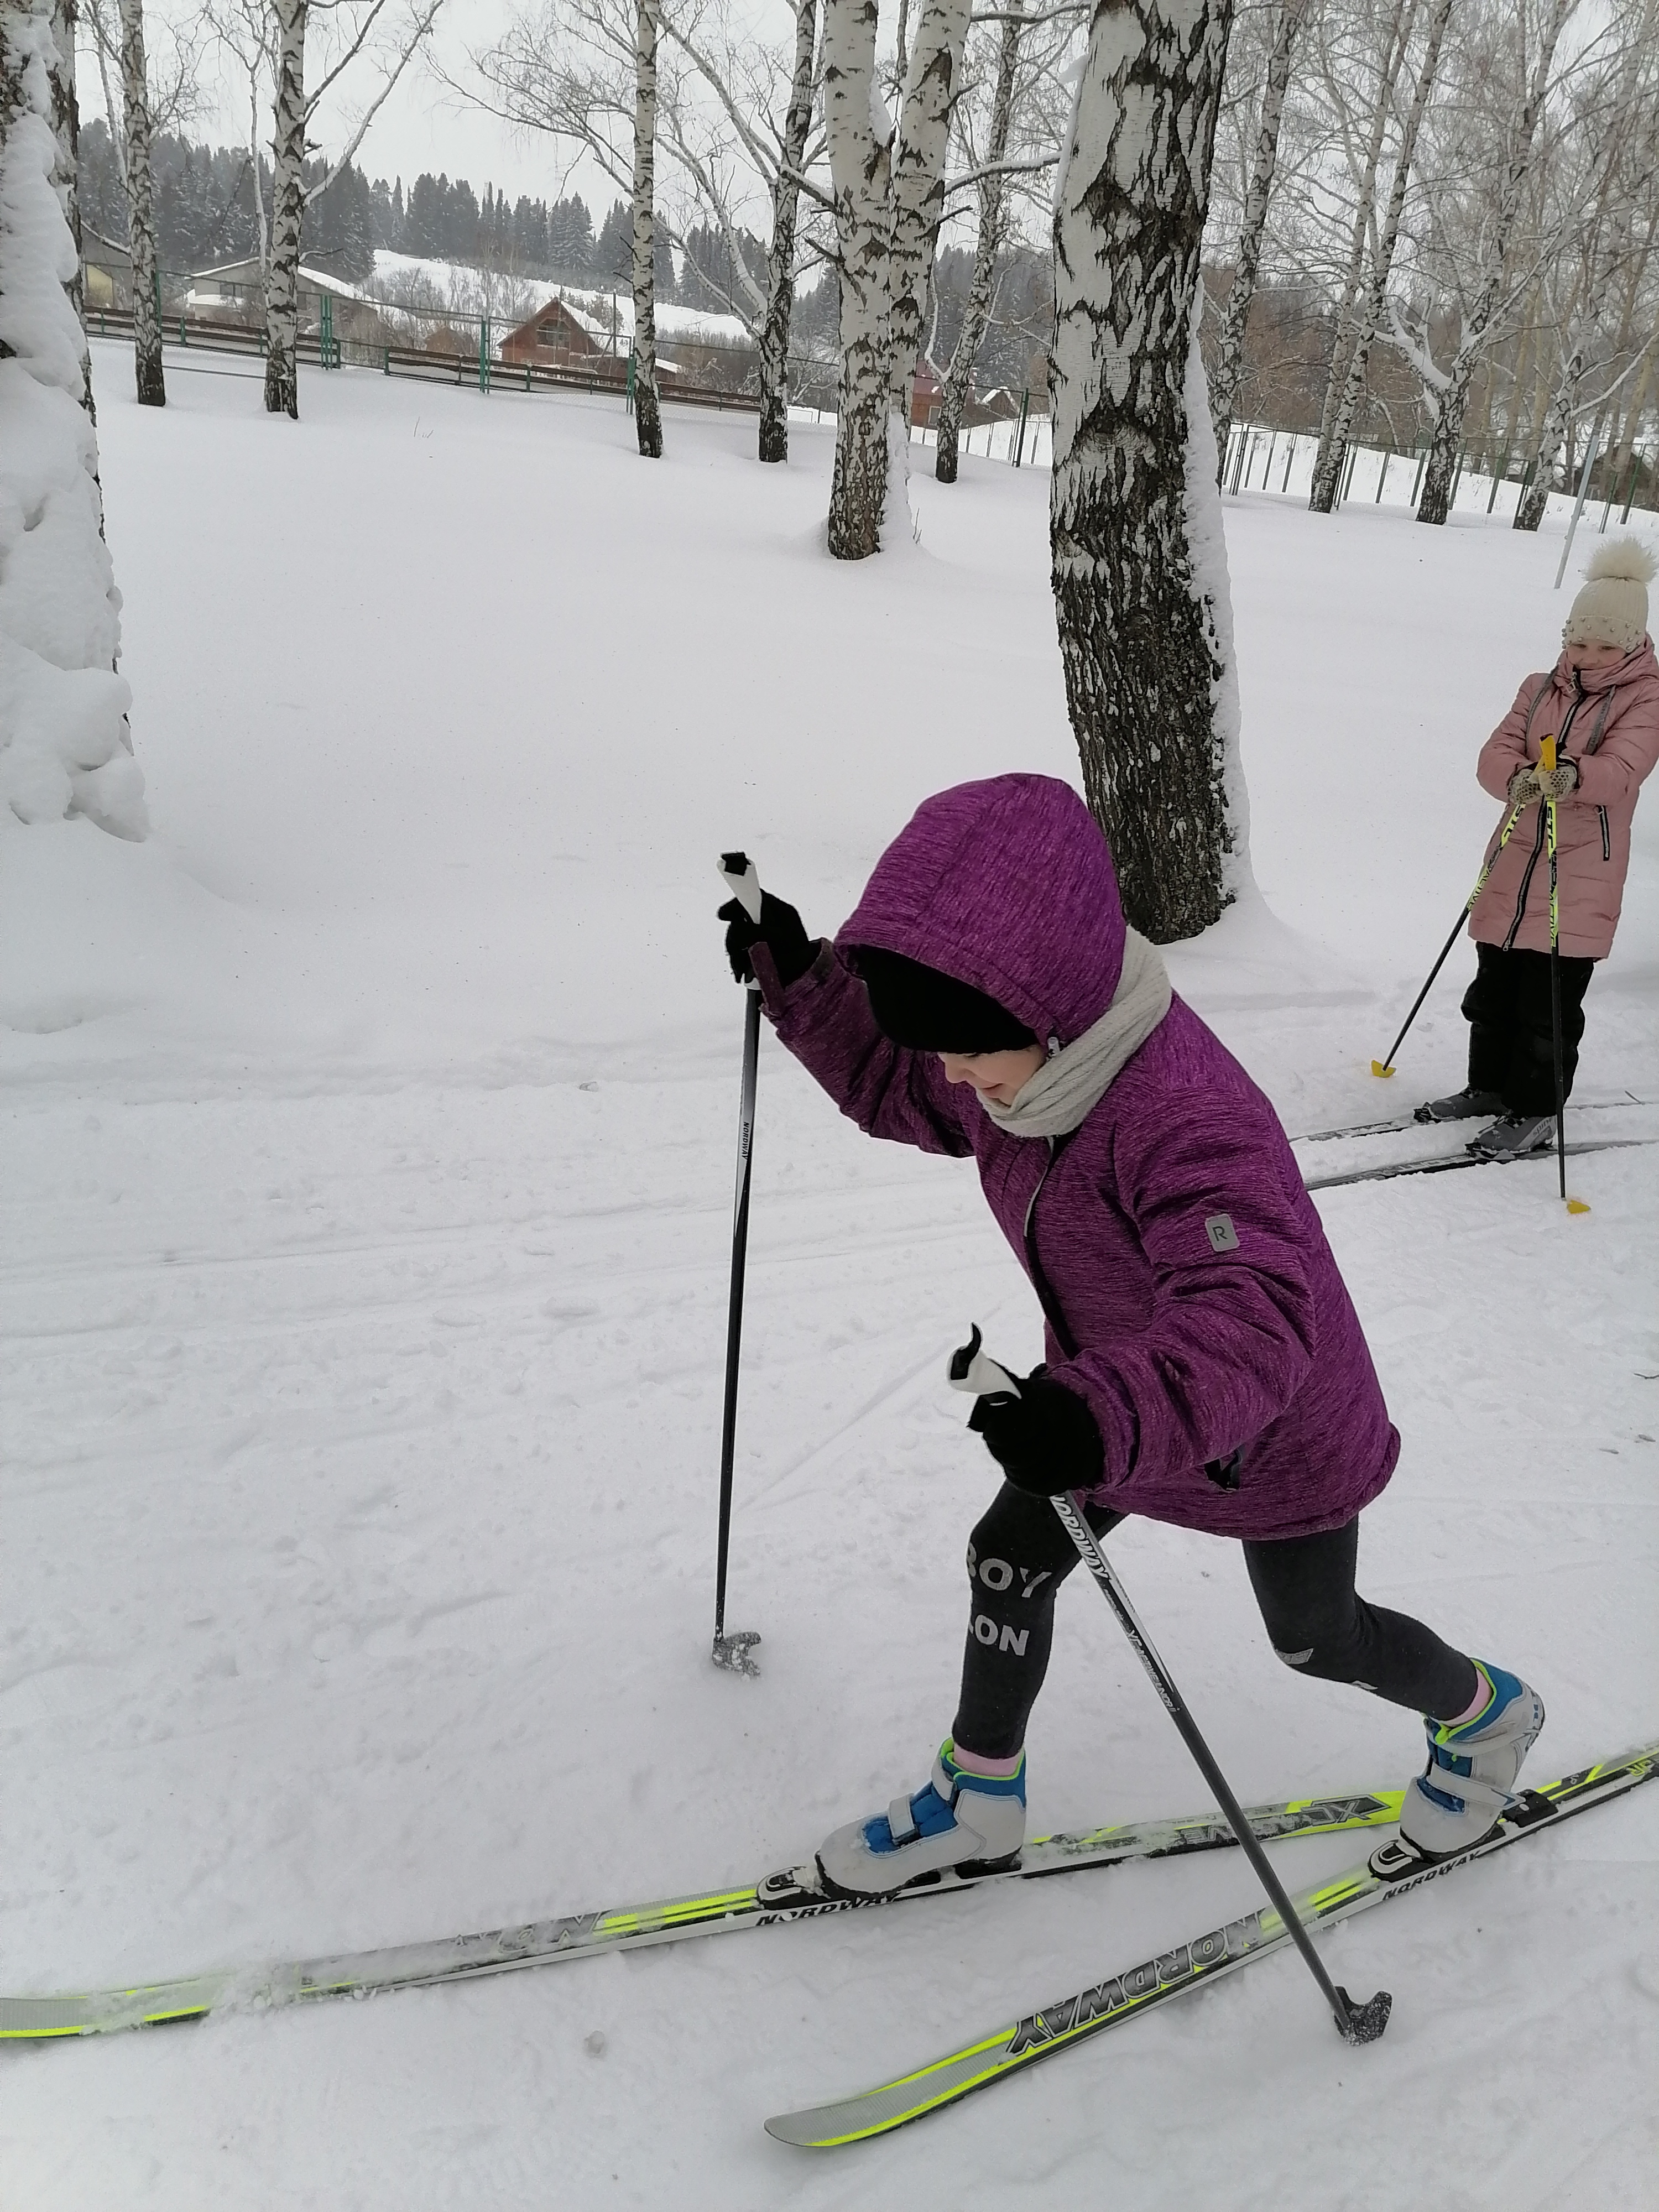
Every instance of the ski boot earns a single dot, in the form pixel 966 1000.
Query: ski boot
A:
pixel 1512 1136
pixel 1465 1105
pixel 1469 1781
pixel 957 1823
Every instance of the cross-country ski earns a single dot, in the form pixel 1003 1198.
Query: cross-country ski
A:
pixel 830 1058
pixel 1052 2028
pixel 776 1900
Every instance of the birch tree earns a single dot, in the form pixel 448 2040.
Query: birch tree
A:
pixel 918 190
pixel 288 202
pixel 647 405
pixel 888 199
pixel 1614 255
pixel 593 73
pixel 787 184
pixel 859 132
pixel 1452 392
pixel 1139 573
pixel 141 209
pixel 1224 384
pixel 993 191
pixel 781 154
pixel 65 749
pixel 356 28
pixel 1395 39
pixel 1327 466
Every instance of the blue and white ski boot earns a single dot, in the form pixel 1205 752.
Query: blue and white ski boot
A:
pixel 1469 1781
pixel 958 1823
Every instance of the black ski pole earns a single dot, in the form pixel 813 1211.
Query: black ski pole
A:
pixel 735 1652
pixel 1386 1066
pixel 972 1369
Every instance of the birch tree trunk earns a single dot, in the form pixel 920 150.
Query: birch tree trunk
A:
pixel 1141 633
pixel 65 749
pixel 647 405
pixel 141 208
pixel 992 199
pixel 1327 463
pixel 1535 500
pixel 1224 384
pixel 918 189
pixel 858 170
pixel 1327 475
pixel 287 213
pixel 780 254
pixel 1434 503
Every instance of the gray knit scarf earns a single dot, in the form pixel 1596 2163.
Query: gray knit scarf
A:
pixel 1069 1085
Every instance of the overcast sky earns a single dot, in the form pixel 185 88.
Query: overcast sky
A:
pixel 423 126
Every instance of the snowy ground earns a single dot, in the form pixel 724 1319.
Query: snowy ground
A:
pixel 368 1156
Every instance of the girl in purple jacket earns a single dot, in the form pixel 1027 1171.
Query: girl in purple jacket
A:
pixel 1205 1363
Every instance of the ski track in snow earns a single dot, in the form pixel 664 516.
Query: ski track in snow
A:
pixel 369 1150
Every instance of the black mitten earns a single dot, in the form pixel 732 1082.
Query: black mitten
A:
pixel 780 929
pixel 1044 1440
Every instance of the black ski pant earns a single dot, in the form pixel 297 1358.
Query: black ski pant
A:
pixel 1511 1034
pixel 1020 1554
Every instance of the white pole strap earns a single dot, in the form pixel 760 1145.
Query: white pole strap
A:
pixel 972 1368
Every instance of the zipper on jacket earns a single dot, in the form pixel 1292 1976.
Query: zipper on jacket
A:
pixel 1607 845
pixel 1040 1283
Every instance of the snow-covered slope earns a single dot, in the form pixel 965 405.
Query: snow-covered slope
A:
pixel 368 1157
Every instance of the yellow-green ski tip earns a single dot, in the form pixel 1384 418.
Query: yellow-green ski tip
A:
pixel 1577 1205
pixel 1377 1068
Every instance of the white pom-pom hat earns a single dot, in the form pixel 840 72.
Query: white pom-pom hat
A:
pixel 1613 607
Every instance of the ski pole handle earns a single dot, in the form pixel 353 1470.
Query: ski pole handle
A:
pixel 742 878
pixel 972 1368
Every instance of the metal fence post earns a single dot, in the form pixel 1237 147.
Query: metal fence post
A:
pixel 1025 408
pixel 1382 477
pixel 483 354
pixel 1418 479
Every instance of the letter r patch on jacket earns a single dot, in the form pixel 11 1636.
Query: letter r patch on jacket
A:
pixel 1222 1237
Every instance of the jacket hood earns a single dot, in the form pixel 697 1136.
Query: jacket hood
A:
pixel 1637 662
pixel 1006 885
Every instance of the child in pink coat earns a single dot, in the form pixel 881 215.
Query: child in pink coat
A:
pixel 1601 704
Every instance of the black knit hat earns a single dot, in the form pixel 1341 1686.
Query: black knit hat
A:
pixel 931 1011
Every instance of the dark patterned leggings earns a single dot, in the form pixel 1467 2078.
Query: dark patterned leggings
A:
pixel 1020 1554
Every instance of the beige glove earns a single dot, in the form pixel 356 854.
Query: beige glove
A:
pixel 1554 782
pixel 1523 786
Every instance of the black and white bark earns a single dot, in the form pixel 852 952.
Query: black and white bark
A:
pixel 859 136
pixel 1143 623
pixel 1230 355
pixel 65 748
pixel 141 209
pixel 1327 462
pixel 1434 503
pixel 295 106
pixel 780 251
pixel 939 30
pixel 288 202
pixel 647 405
pixel 993 189
pixel 1327 468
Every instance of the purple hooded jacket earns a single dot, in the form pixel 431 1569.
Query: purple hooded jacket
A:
pixel 1187 1356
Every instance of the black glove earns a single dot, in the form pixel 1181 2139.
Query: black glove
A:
pixel 1045 1440
pixel 779 929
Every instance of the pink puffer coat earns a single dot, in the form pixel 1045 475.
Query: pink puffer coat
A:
pixel 1606 721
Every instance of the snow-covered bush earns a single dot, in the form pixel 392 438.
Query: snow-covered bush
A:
pixel 65 747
